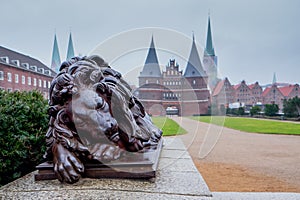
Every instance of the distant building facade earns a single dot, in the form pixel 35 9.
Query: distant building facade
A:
pixel 19 72
pixel 172 90
pixel 188 91
pixel 244 94
pixel 225 94
pixel 277 95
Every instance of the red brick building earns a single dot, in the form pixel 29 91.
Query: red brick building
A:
pixel 276 94
pixel 172 90
pixel 19 72
pixel 253 94
pixel 223 94
pixel 256 92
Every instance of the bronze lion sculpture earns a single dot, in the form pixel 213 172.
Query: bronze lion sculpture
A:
pixel 93 117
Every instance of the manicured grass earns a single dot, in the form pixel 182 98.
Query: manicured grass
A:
pixel 168 126
pixel 253 125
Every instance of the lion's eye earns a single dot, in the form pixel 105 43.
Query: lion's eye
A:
pixel 100 103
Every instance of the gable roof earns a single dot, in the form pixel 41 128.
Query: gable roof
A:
pixel 266 91
pixel 252 86
pixel 235 87
pixel 286 90
pixel 218 88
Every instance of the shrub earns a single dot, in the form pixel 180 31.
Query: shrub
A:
pixel 271 109
pixel 255 110
pixel 24 121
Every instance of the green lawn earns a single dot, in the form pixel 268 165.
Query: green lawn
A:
pixel 168 126
pixel 253 125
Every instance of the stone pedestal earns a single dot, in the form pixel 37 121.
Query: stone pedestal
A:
pixel 176 178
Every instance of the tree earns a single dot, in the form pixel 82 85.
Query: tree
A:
pixel 271 109
pixel 255 110
pixel 291 107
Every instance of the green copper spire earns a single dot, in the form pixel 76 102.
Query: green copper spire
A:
pixel 70 52
pixel 274 79
pixel 55 63
pixel 209 49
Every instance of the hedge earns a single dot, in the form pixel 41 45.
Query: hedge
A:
pixel 23 124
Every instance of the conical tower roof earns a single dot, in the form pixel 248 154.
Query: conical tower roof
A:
pixel 55 63
pixel 194 67
pixel 151 67
pixel 70 51
pixel 209 48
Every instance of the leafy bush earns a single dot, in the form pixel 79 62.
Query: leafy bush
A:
pixel 255 110
pixel 23 123
pixel 271 109
pixel 235 111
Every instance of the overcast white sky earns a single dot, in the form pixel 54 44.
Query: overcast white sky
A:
pixel 252 39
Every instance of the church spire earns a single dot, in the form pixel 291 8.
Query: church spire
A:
pixel 194 67
pixel 274 79
pixel 55 63
pixel 70 52
pixel 151 67
pixel 209 49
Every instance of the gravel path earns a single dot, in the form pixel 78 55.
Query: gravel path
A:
pixel 271 155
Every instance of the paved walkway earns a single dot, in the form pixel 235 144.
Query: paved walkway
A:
pixel 274 155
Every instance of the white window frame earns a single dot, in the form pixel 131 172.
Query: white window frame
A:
pixel 23 79
pixel 34 82
pixel 16 78
pixel 9 77
pixel 1 75
pixel 29 80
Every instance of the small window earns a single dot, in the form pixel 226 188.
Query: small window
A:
pixel 45 84
pixel 194 82
pixel 29 80
pixel 40 83
pixel 49 84
pixel 16 78
pixel 9 77
pixel 9 89
pixel 23 79
pixel 34 82
pixel 1 75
